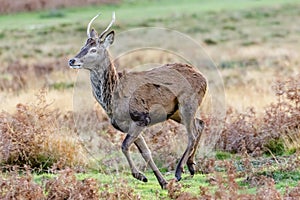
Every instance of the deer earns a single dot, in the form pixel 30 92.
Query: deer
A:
pixel 134 101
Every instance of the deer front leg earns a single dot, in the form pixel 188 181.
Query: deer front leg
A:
pixel 130 138
pixel 144 150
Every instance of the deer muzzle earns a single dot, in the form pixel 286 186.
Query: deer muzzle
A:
pixel 74 63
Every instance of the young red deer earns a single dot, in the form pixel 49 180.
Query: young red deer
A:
pixel 137 100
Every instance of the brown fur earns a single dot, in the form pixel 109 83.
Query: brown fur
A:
pixel 136 100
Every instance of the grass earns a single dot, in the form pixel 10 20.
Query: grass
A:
pixel 221 155
pixel 151 190
pixel 127 12
pixel 244 38
pixel 145 190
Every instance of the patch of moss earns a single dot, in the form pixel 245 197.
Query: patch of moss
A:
pixel 275 147
pixel 221 155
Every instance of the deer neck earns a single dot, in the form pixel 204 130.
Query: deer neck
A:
pixel 104 80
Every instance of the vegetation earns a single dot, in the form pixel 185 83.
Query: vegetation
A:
pixel 53 145
pixel 31 5
pixel 33 136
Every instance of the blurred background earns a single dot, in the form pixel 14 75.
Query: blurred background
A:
pixel 33 5
pixel 254 44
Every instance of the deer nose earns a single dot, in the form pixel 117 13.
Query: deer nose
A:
pixel 71 62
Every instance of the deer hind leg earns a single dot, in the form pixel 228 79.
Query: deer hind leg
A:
pixel 144 150
pixel 187 112
pixel 130 138
pixel 199 124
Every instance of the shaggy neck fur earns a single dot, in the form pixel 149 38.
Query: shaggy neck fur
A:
pixel 104 79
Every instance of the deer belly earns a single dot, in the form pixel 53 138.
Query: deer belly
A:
pixel 152 103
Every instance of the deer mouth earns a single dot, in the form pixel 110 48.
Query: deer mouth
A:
pixel 74 64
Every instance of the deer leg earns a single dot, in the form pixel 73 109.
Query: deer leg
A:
pixel 183 160
pixel 187 116
pixel 199 124
pixel 146 153
pixel 130 138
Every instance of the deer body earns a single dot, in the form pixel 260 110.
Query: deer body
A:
pixel 136 100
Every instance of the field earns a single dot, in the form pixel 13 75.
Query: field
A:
pixel 57 143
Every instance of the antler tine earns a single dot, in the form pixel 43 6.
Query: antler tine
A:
pixel 108 27
pixel 89 25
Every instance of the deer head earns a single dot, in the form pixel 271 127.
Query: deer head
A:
pixel 95 49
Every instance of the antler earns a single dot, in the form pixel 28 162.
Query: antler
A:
pixel 89 26
pixel 108 27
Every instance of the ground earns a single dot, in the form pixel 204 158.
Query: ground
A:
pixel 255 47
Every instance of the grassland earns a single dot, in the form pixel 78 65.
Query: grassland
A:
pixel 255 45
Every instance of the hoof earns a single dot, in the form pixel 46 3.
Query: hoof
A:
pixel 191 168
pixel 164 185
pixel 178 177
pixel 178 172
pixel 140 176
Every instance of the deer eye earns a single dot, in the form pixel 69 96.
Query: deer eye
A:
pixel 93 50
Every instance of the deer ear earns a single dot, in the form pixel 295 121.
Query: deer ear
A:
pixel 109 39
pixel 93 33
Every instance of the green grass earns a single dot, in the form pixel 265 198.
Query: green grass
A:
pixel 57 33
pixel 56 24
pixel 145 190
pixel 281 177
pixel 221 155
pixel 152 190
pixel 128 12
